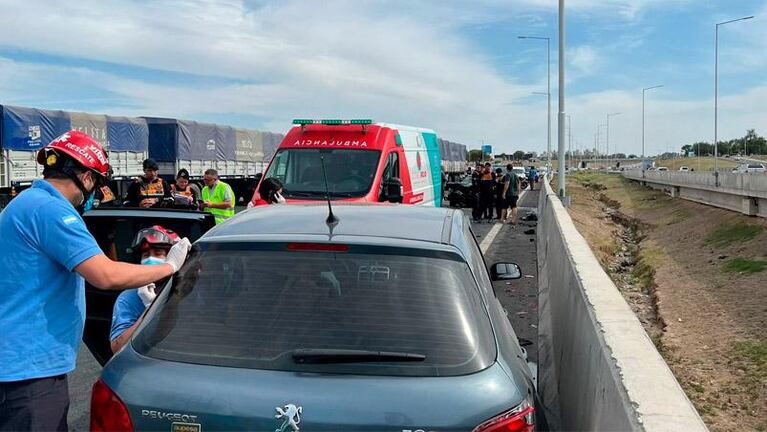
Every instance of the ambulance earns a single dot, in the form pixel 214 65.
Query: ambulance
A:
pixel 358 161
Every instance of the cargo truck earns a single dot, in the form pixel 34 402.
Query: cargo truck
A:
pixel 23 131
pixel 237 154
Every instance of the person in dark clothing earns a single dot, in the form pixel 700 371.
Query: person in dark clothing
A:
pixel 487 192
pixel 185 193
pixel 476 211
pixel 500 200
pixel 149 190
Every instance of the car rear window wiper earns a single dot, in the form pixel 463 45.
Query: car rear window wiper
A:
pixel 304 194
pixel 352 356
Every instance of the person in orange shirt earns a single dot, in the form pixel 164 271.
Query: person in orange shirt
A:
pixel 149 190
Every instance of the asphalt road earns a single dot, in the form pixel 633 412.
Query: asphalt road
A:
pixel 519 297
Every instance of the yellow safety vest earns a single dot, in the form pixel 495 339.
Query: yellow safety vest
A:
pixel 219 196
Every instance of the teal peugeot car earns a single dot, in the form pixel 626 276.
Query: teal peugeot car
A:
pixel 383 319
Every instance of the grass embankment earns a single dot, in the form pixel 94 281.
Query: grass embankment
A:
pixel 706 269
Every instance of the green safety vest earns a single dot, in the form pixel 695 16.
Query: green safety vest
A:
pixel 219 196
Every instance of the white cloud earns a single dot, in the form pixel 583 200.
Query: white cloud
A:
pixel 584 59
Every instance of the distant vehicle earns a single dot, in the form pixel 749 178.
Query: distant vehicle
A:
pixel 363 162
pixel 662 169
pixel 684 168
pixel 755 168
pixel 459 194
pixel 272 323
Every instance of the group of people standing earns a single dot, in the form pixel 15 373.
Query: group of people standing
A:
pixel 495 191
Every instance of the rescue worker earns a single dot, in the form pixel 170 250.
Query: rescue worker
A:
pixel 217 197
pixel 152 246
pixel 149 190
pixel 46 254
pixel 185 193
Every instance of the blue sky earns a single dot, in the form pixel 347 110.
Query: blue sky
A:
pixel 456 67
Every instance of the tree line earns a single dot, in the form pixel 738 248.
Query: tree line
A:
pixel 750 144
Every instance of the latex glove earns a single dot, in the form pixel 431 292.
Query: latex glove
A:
pixel 177 254
pixel 147 294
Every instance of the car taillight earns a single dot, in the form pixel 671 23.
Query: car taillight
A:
pixel 108 412
pixel 518 419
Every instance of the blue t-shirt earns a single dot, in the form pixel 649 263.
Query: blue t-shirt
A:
pixel 42 299
pixel 128 308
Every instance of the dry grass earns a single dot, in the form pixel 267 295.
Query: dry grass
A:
pixel 703 263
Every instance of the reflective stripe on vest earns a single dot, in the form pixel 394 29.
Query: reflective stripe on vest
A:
pixel 219 196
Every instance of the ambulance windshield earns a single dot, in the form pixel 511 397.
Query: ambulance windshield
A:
pixel 350 172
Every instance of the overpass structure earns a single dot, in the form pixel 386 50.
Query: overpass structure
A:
pixel 743 192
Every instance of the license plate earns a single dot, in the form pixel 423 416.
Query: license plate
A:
pixel 185 427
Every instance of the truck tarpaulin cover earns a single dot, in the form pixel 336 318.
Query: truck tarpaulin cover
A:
pixel 271 142
pixel 249 145
pixel 171 139
pixel 31 129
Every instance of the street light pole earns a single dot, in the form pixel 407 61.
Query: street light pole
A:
pixel 607 150
pixel 716 87
pixel 548 92
pixel 561 117
pixel 643 92
pixel 599 142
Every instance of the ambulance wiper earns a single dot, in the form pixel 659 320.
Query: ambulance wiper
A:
pixel 352 356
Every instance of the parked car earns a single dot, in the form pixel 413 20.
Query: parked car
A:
pixel 684 168
pixel 662 169
pixel 383 320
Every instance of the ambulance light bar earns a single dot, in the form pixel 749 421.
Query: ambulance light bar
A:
pixel 304 122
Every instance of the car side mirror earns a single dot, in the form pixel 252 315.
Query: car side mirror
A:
pixel 505 271
pixel 392 190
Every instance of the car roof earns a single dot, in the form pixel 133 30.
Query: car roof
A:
pixel 403 222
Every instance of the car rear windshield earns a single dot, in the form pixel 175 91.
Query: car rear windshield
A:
pixel 350 173
pixel 756 166
pixel 235 306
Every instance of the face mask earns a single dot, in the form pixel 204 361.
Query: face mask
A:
pixel 89 203
pixel 152 261
pixel 280 199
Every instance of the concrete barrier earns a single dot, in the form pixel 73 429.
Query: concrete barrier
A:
pixel 598 369
pixel 745 193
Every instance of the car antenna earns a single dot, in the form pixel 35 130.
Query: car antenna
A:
pixel 332 220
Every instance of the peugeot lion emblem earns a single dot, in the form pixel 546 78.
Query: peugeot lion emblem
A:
pixel 291 417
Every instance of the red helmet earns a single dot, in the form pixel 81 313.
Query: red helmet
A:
pixel 154 237
pixel 81 148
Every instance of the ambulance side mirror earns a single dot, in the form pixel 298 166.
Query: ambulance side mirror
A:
pixel 392 190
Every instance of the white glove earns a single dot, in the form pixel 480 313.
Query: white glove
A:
pixel 177 254
pixel 147 294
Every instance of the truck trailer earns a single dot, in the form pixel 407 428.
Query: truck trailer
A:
pixel 24 131
pixel 237 154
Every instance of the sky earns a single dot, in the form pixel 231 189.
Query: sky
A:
pixel 456 66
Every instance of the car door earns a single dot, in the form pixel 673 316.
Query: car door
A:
pixel 114 229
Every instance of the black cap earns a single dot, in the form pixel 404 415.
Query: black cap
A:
pixel 183 173
pixel 151 164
